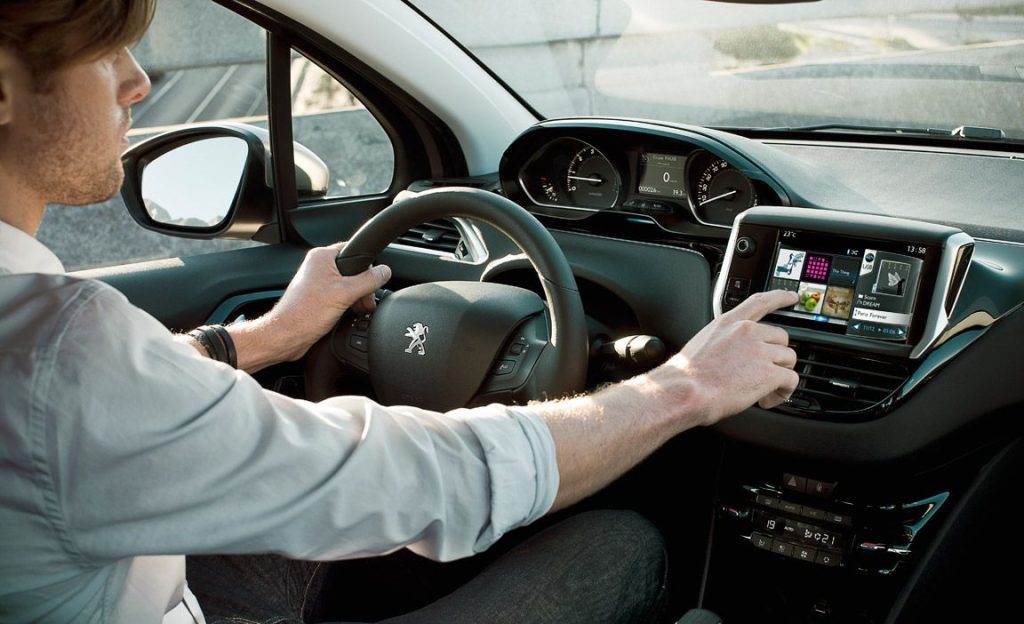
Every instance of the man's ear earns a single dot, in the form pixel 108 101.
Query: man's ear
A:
pixel 7 70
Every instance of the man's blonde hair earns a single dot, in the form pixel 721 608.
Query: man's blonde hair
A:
pixel 50 35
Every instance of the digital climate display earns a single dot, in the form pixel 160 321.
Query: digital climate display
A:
pixel 662 175
pixel 856 288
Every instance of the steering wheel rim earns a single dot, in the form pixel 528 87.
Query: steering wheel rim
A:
pixel 562 365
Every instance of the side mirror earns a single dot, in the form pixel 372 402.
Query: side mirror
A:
pixel 211 181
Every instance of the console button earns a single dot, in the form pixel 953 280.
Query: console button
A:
pixel 782 548
pixel 820 488
pixel 739 285
pixel 794 483
pixel 759 540
pixel 791 529
pixel 791 508
pixel 732 300
pixel 813 514
pixel 828 559
pixel 745 247
pixel 767 501
pixel 838 518
pixel 804 553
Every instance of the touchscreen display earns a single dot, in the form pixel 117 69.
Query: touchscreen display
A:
pixel 856 288
pixel 662 175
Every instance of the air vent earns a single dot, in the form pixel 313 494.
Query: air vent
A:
pixel 441 236
pixel 839 384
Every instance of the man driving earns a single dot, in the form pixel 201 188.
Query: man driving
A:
pixel 124 448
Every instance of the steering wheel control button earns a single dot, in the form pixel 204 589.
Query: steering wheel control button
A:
pixel 505 367
pixel 829 559
pixel 361 325
pixel 517 348
pixel 762 541
pixel 359 343
pixel 793 483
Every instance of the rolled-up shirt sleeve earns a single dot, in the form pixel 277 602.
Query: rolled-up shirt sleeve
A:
pixel 148 449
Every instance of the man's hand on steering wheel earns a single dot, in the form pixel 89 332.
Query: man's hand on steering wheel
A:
pixel 316 299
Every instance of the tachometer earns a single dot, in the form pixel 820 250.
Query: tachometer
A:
pixel 722 193
pixel 591 180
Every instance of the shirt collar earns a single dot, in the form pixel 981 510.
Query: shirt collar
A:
pixel 21 253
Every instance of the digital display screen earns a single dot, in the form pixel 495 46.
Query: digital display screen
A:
pixel 856 288
pixel 662 175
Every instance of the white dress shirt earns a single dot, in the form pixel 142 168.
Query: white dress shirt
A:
pixel 122 449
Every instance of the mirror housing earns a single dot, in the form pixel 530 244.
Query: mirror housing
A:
pixel 251 209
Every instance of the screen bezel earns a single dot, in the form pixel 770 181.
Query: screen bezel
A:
pixel 945 292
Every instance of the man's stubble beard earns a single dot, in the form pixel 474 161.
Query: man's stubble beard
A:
pixel 68 162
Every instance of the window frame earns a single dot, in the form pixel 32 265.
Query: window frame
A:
pixel 424 147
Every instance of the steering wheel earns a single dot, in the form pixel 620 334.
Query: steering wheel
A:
pixel 443 345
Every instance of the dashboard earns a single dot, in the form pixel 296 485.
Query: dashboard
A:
pixel 907 333
pixel 696 188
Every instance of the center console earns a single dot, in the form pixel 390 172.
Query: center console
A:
pixel 798 542
pixel 805 541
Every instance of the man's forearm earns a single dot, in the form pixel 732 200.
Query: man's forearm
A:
pixel 599 437
pixel 255 345
pixel 728 366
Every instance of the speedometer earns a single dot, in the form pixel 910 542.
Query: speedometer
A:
pixel 591 181
pixel 722 193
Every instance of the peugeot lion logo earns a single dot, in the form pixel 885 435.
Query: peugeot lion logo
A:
pixel 418 334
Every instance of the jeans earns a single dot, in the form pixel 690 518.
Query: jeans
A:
pixel 595 567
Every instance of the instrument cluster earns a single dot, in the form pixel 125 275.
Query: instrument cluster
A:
pixel 668 181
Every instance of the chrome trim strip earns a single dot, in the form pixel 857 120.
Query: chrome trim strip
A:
pixel 938 319
pixel 723 276
pixel 471 236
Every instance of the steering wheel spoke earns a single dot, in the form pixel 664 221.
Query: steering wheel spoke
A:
pixel 509 380
pixel 350 341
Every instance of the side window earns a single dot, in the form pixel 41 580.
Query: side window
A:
pixel 206 64
pixel 329 120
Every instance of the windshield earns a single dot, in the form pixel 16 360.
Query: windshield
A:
pixel 922 64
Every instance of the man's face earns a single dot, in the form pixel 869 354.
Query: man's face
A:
pixel 67 135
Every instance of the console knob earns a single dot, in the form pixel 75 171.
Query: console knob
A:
pixel 745 247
